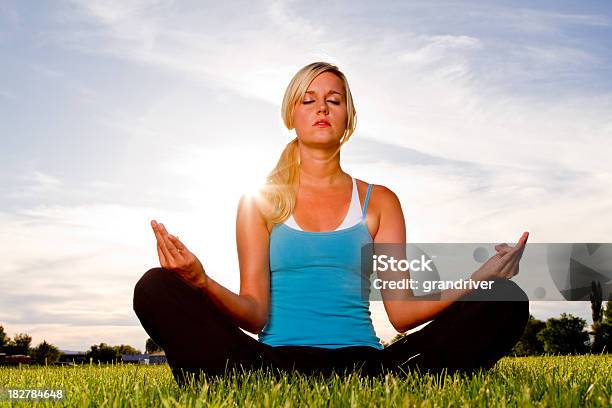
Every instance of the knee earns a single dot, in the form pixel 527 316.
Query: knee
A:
pixel 504 301
pixel 503 290
pixel 511 302
pixel 149 284
pixel 158 286
pixel 146 281
pixel 507 290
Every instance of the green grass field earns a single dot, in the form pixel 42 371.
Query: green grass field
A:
pixel 529 381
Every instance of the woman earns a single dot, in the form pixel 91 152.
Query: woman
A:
pixel 299 245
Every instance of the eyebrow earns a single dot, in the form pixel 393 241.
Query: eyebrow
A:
pixel 328 93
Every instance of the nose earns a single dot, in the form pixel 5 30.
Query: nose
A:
pixel 323 108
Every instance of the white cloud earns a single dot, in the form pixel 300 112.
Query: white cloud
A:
pixel 35 183
pixel 437 48
pixel 439 109
pixel 532 21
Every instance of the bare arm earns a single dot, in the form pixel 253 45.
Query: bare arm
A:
pixel 249 308
pixel 406 311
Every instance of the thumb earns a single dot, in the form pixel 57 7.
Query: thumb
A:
pixel 501 247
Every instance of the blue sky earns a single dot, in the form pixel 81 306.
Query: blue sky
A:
pixel 486 119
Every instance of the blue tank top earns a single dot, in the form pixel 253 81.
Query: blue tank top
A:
pixel 316 288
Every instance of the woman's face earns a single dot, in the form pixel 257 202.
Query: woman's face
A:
pixel 324 101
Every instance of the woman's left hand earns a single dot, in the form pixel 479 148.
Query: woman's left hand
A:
pixel 505 263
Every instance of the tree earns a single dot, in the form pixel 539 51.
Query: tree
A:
pixel 529 344
pixel 151 347
pixel 607 314
pixel 102 353
pixel 596 298
pixel 565 335
pixel 20 344
pixel 605 330
pixel 596 313
pixel 125 349
pixel 45 353
pixel 3 339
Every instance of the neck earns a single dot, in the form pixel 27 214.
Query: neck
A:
pixel 320 169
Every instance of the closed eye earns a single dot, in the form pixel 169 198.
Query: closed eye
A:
pixel 334 102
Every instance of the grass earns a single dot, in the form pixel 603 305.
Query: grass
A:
pixel 563 381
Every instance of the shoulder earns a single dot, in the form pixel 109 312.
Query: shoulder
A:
pixel 248 205
pixel 380 196
pixel 384 215
pixel 249 212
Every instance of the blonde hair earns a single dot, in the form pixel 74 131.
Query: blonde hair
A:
pixel 280 190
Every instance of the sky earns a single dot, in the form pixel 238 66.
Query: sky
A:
pixel 487 119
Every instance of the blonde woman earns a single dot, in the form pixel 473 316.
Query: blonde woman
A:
pixel 299 244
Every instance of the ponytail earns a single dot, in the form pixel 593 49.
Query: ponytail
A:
pixel 280 190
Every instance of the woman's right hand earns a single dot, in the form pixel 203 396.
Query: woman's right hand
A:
pixel 504 264
pixel 175 256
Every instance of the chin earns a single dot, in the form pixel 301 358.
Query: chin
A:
pixel 321 138
pixel 323 135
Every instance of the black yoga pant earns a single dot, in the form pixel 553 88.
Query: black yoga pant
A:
pixel 199 339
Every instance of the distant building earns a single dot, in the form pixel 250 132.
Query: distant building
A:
pixel 14 360
pixel 147 359
pixel 72 357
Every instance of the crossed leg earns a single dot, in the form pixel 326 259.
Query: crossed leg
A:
pixel 472 333
pixel 196 337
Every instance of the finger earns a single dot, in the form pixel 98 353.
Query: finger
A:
pixel 177 243
pixel 521 251
pixel 520 245
pixel 169 257
pixel 181 248
pixel 516 270
pixel 172 248
pixel 507 252
pixel 523 243
pixel 503 251
pixel 156 230
pixel 163 244
pixel 162 258
pixel 523 239
pixel 163 230
pixel 507 270
pixel 506 264
pixel 515 254
pixel 500 247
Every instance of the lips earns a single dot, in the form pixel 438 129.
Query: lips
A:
pixel 321 123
